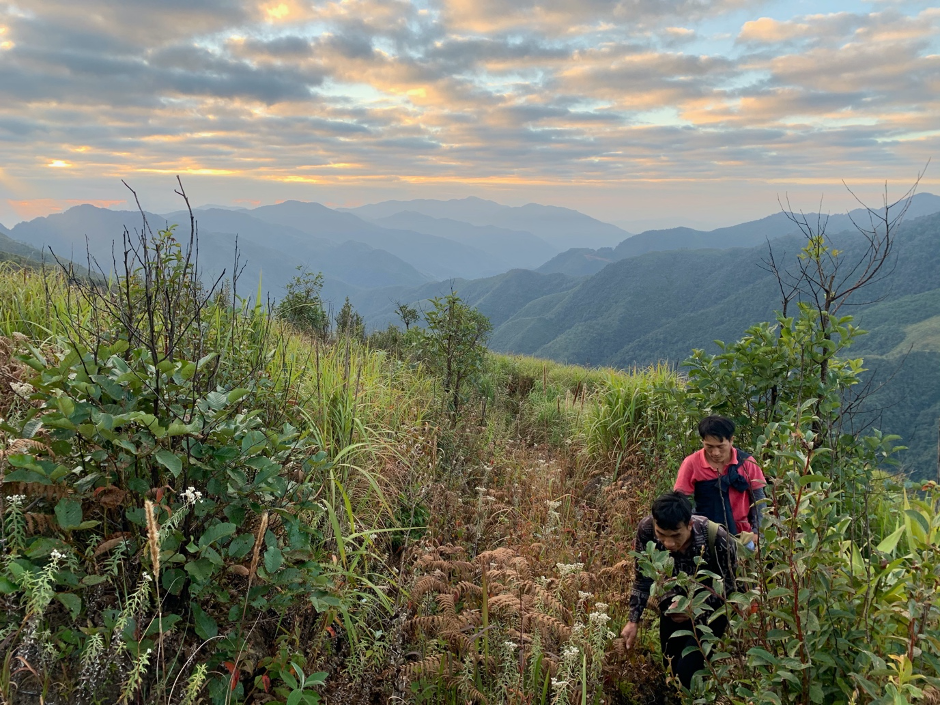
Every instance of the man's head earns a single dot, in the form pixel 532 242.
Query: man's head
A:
pixel 672 520
pixel 717 436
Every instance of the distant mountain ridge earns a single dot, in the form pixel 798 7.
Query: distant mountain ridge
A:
pixel 562 228
pixel 578 262
pixel 346 268
pixel 436 257
pixel 510 249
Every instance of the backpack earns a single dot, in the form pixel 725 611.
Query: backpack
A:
pixel 712 531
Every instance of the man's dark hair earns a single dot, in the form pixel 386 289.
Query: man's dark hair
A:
pixel 671 510
pixel 719 427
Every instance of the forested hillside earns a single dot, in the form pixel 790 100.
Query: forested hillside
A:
pixel 658 306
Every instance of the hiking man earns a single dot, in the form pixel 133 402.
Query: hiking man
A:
pixel 672 527
pixel 725 482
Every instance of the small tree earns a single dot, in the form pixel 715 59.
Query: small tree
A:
pixel 454 345
pixel 349 322
pixel 408 314
pixel 825 279
pixel 302 305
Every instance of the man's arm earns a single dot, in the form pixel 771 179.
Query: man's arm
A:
pixel 640 591
pixel 684 477
pixel 756 480
pixel 756 510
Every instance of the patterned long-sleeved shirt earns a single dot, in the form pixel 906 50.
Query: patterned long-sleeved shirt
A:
pixel 722 562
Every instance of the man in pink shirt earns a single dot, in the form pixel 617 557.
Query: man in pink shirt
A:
pixel 725 482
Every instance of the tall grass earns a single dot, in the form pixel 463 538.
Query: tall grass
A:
pixel 640 413
pixel 27 301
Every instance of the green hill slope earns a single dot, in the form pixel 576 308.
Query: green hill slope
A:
pixel 660 305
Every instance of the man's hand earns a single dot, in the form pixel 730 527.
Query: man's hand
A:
pixel 746 537
pixel 629 633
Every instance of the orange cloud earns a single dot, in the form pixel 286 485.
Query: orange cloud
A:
pixel 33 208
pixel 765 29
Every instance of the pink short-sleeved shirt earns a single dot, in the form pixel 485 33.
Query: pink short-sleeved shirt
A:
pixel 695 468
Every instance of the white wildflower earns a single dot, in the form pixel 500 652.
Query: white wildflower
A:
pixel 583 595
pixel 554 504
pixel 601 607
pixel 510 645
pixel 566 569
pixel 56 555
pixel 191 496
pixel 598 618
pixel 569 652
pixel 16 499
pixel 23 389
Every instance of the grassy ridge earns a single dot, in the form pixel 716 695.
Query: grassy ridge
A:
pixel 316 526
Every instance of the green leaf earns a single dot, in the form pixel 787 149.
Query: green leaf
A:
pixel 888 544
pixel 919 518
pixel 27 476
pixel 205 626
pixel 288 678
pixel 7 586
pixel 216 400
pixel 136 515
pixel 237 394
pixel 125 444
pixel 205 359
pixel 241 545
pixel 811 478
pixel 216 532
pixel 171 461
pixel 178 428
pixel 273 559
pixel 253 442
pixel 69 513
pixel 172 580
pixel 72 602
pixel 762 657
pixel 199 569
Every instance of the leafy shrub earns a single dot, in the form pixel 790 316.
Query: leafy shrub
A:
pixel 160 490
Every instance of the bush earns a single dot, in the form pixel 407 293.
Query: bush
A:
pixel 160 501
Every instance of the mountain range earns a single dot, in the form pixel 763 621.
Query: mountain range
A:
pixel 554 282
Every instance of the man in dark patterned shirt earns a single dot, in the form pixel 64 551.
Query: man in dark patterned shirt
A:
pixel 672 527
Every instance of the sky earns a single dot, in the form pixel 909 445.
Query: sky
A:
pixel 665 112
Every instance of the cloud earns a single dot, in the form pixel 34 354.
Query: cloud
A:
pixel 538 91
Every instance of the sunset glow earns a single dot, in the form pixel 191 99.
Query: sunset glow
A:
pixel 610 107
